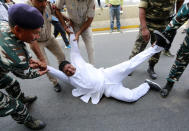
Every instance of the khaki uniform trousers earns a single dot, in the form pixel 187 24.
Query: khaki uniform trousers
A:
pixel 88 40
pixel 53 46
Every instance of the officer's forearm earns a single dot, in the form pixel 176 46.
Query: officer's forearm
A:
pixel 86 25
pixel 142 17
pixel 27 74
pixel 35 47
pixel 61 18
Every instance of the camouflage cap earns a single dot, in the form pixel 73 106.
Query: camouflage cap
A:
pixel 25 16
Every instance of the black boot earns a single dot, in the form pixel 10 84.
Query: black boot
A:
pixel 57 87
pixel 151 72
pixel 167 88
pixel 131 73
pixel 153 85
pixel 27 99
pixel 34 124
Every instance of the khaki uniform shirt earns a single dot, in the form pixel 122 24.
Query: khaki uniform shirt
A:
pixel 78 11
pixel 45 33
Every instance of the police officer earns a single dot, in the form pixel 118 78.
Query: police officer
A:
pixel 46 40
pixel 81 14
pixel 182 58
pixel 15 58
pixel 154 15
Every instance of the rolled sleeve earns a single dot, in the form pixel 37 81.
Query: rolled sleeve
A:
pixel 60 4
pixel 91 9
pixel 143 4
pixel 26 74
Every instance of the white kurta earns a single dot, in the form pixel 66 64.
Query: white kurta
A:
pixel 90 82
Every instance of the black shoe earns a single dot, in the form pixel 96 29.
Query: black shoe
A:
pixel 27 99
pixel 57 88
pixel 165 91
pixel 34 124
pixel 152 74
pixel 153 85
pixel 164 39
pixel 130 74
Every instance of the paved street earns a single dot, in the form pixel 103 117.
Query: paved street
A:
pixel 63 112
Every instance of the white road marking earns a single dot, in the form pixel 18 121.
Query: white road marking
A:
pixel 108 33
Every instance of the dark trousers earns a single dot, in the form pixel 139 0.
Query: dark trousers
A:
pixel 59 29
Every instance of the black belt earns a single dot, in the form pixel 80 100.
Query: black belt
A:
pixel 115 5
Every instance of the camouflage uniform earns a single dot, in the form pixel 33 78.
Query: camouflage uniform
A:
pixel 14 58
pixel 182 58
pixel 157 17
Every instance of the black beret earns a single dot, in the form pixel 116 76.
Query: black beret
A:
pixel 25 16
pixel 62 64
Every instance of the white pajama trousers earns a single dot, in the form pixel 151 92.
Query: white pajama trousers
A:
pixel 115 75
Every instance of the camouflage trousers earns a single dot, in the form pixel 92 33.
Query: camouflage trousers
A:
pixel 140 45
pixel 181 62
pixel 9 105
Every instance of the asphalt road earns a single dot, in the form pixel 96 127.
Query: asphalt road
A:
pixel 62 112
